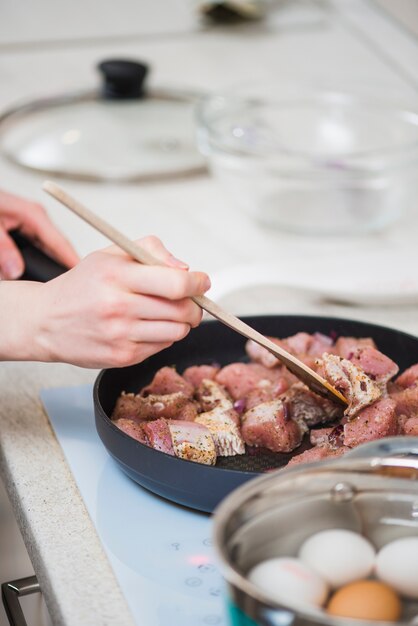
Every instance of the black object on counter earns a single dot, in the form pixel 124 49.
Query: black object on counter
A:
pixel 38 265
pixel 199 486
pixel 123 79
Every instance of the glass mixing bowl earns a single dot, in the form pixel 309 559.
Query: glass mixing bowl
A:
pixel 317 162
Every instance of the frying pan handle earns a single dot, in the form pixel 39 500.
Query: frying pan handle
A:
pixel 386 447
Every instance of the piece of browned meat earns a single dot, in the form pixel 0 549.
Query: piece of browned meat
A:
pixel 166 381
pixel 374 422
pixel 409 377
pixel 192 442
pixel 351 381
pixel 268 425
pixel 197 373
pixel 318 453
pixel 211 394
pixel 171 405
pixel 224 427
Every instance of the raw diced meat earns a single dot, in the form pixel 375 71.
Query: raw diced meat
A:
pixel 188 413
pixel 241 378
pixel 166 381
pixel 267 425
pixel 197 373
pixel 159 436
pixel 261 355
pixel 376 365
pixel 224 427
pixel 171 406
pixel 318 453
pixel 410 427
pixel 307 408
pixel 303 345
pixel 265 391
pixel 374 422
pixel 192 442
pixel 347 346
pixel 132 428
pixel 298 344
pixel 351 381
pixel 126 407
pixel 211 394
pixel 409 377
pixel 407 401
pixel 319 436
pixel 320 343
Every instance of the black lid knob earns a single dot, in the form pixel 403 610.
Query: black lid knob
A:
pixel 122 78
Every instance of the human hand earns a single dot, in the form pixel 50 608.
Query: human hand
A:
pixel 32 220
pixel 110 311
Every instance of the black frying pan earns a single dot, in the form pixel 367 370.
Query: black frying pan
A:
pixel 198 486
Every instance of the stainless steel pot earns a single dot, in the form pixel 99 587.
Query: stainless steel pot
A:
pixel 371 490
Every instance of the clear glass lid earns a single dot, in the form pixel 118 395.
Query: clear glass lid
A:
pixel 121 132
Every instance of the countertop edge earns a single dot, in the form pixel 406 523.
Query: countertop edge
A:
pixel 76 578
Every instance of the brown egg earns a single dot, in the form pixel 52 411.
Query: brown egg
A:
pixel 366 599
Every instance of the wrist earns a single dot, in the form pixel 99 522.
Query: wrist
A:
pixel 21 321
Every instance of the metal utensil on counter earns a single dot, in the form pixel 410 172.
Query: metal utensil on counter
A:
pixel 303 372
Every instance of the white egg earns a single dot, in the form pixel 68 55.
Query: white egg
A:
pixel 397 565
pixel 289 581
pixel 339 556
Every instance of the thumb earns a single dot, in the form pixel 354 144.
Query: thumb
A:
pixel 11 262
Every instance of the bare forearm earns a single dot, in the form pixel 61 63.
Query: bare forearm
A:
pixel 20 307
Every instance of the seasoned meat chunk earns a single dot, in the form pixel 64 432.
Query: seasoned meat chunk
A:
pixel 166 381
pixel 347 346
pixel 320 343
pixel 224 427
pixel 267 425
pixel 261 355
pixel 376 365
pixel 374 422
pixel 265 391
pixel 410 427
pixel 406 401
pixel 354 384
pixel 241 378
pixel 192 442
pixel 307 408
pixel 132 428
pixel 159 436
pixel 318 453
pixel 197 373
pixel 126 407
pixel 171 405
pixel 319 436
pixel 211 394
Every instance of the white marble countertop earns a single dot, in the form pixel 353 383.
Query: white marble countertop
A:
pixel 197 223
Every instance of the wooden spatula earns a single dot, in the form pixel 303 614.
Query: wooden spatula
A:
pixel 297 367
